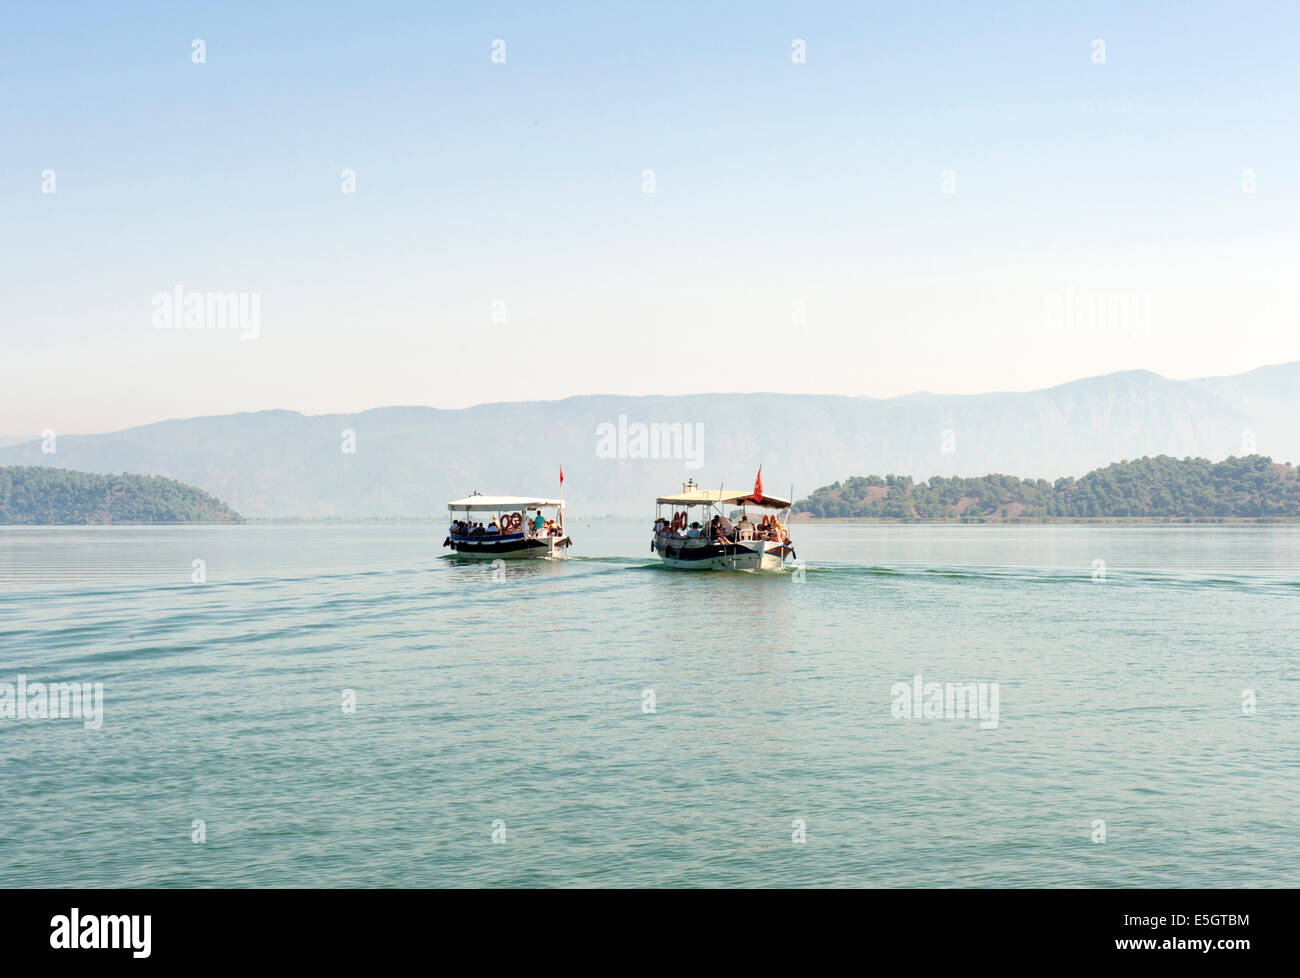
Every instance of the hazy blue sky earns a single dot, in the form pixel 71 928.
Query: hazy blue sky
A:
pixel 1101 218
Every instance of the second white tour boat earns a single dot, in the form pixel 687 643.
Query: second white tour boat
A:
pixel 696 534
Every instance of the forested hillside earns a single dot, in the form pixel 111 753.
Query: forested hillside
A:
pixel 32 494
pixel 1152 488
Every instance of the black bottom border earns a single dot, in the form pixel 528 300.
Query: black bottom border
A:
pixel 931 928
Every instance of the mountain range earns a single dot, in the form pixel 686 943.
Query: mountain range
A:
pixel 408 461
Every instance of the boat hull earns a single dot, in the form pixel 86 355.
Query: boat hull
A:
pixel 508 548
pixel 754 555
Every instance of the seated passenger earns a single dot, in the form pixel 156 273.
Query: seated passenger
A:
pixel 694 532
pixel 724 530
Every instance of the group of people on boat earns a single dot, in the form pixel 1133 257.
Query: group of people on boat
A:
pixel 532 526
pixel 722 530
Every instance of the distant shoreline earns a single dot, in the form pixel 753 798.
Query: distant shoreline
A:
pixel 1079 520
pixel 796 522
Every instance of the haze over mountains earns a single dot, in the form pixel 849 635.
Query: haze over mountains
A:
pixel 408 461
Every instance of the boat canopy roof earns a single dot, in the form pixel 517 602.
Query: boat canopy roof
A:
pixel 494 504
pixel 705 497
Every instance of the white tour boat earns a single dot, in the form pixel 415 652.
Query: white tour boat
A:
pixel 507 527
pixel 710 540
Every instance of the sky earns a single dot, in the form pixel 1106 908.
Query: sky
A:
pixel 949 197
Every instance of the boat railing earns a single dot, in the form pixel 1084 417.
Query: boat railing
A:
pixel 471 537
pixel 748 534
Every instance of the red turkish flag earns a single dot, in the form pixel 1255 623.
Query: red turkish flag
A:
pixel 561 475
pixel 758 486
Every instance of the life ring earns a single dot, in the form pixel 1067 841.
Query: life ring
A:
pixel 679 520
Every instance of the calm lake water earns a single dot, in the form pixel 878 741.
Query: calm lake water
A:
pixel 521 699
